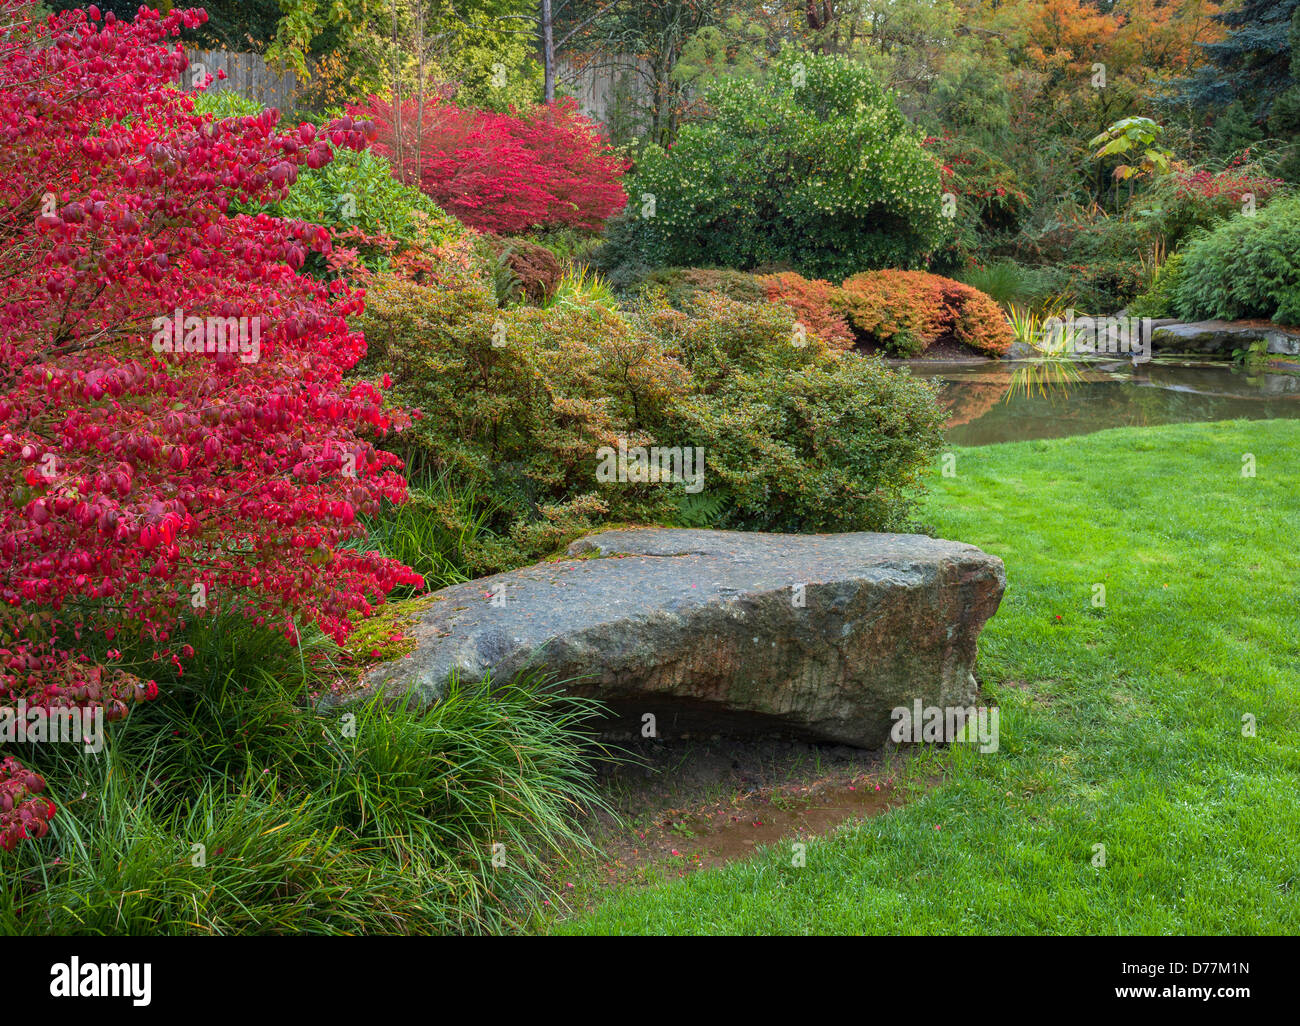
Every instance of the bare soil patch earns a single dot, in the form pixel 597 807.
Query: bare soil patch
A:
pixel 698 802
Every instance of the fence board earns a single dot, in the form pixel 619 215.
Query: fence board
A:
pixel 246 74
pixel 595 86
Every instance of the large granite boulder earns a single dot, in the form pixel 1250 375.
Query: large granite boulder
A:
pixel 1220 338
pixel 817 636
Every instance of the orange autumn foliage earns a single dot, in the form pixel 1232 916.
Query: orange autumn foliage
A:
pixel 906 312
pixel 811 301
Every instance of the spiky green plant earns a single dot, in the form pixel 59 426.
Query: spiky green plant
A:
pixel 1052 368
pixel 432 531
pixel 580 284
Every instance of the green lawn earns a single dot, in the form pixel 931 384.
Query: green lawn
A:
pixel 1120 725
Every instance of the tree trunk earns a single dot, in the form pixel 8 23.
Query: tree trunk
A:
pixel 548 50
pixel 419 86
pixel 397 103
pixel 819 16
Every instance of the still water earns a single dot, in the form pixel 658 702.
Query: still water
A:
pixel 983 407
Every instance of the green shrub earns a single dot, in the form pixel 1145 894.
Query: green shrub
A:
pixel 682 285
pixel 515 403
pixel 1101 256
pixel 820 174
pixel 357 191
pixel 355 195
pixel 831 446
pixel 796 436
pixel 621 256
pixel 1157 301
pixel 226 104
pixel 1247 267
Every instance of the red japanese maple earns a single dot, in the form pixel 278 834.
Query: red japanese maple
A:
pixel 505 173
pixel 176 435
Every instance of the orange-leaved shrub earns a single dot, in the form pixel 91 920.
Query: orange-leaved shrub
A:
pixel 812 302
pixel 906 312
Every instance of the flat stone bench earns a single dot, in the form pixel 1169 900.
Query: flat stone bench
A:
pixel 817 636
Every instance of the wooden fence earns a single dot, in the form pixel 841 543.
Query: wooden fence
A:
pixel 246 74
pixel 595 88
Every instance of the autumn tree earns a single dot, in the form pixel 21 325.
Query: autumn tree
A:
pixel 177 436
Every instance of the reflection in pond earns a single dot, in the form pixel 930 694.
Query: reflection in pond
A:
pixel 1052 368
pixel 1049 376
pixel 988 402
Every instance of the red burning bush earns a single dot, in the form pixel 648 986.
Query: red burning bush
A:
pixel 176 437
pixel 505 173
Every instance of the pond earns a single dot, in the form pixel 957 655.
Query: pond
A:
pixel 984 408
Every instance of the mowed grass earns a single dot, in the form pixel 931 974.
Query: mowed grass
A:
pixel 1121 725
